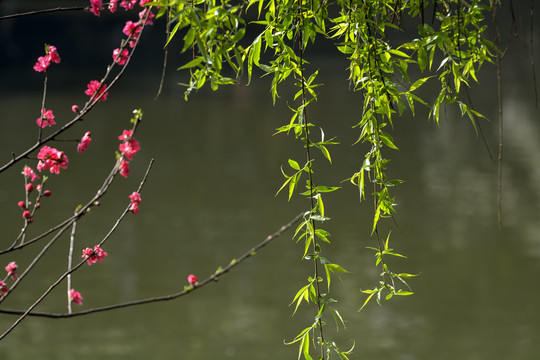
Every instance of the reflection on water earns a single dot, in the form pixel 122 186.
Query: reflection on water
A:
pixel 210 197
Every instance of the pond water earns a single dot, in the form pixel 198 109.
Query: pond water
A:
pixel 211 196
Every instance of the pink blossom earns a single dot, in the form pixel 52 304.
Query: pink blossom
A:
pixel 95 89
pixel 38 187
pixel 51 55
pixel 75 297
pixel 47 193
pixel 121 57
pixel 129 148
pixel 96 7
pixel 132 29
pixel 26 214
pixel 124 168
pixel 192 279
pixel 135 200
pixel 142 16
pixel 113 5
pixel 21 204
pixel 29 173
pixel 42 64
pixel 46 119
pixel 126 135
pixel 142 2
pixel 85 141
pixel 75 109
pixel 11 269
pixel 29 187
pixel 52 159
pixel 93 255
pixel 3 289
pixel 128 4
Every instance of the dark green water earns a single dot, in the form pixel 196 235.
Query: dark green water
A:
pixel 210 197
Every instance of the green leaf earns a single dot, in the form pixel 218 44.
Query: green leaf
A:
pixel 323 189
pixel 405 275
pixel 367 300
pixel 322 234
pixel 305 347
pixel 398 52
pixel 192 63
pixel 302 294
pixel 419 83
pixel 256 50
pixel 422 57
pixel 294 164
pixel 387 140
pixel 403 293
pixel 337 316
pixel 189 38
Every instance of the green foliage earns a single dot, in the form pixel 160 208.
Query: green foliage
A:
pixel 213 32
pixel 387 74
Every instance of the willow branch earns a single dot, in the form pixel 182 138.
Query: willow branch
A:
pixel 165 55
pixel 500 112
pixel 310 174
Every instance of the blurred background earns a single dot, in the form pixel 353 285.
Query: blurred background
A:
pixel 211 196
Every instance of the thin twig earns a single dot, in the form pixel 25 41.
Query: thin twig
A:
pixel 212 278
pixel 39 12
pixel 165 55
pixel 532 57
pixel 70 261
pixel 500 111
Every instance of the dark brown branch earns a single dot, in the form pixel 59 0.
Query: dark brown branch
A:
pixel 500 112
pixel 188 289
pixel 45 11
pixel 532 57
pixel 165 55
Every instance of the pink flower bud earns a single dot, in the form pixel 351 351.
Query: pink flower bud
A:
pixel 192 279
pixel 75 297
pixel 29 188
pixel 85 141
pixel 47 193
pixel 26 214
pixel 75 108
pixel 11 269
pixel 21 204
pixel 3 288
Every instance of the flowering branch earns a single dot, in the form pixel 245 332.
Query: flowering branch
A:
pixel 83 209
pixel 212 278
pixel 97 96
pixel 71 270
